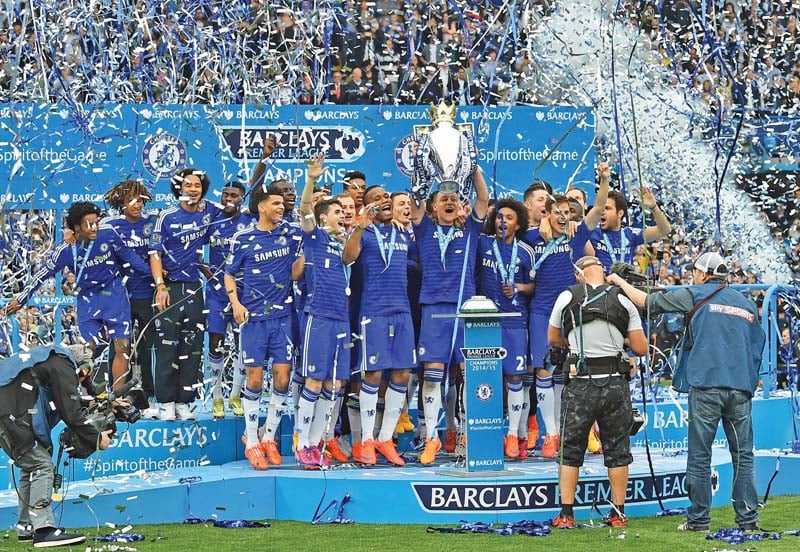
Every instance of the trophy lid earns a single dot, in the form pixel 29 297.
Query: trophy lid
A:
pixel 443 111
pixel 479 303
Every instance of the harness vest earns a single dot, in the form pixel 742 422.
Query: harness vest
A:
pixel 602 304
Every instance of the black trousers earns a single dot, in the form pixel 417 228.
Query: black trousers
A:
pixel 179 332
pixel 142 315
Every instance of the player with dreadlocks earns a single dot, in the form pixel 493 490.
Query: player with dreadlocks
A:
pixel 134 226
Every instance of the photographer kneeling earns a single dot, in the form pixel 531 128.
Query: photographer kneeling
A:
pixel 37 388
pixel 596 318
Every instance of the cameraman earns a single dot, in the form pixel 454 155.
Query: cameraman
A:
pixel 722 372
pixel 37 388
pixel 596 319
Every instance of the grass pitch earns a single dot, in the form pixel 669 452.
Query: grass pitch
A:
pixel 643 534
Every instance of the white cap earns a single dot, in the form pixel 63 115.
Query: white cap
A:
pixel 712 264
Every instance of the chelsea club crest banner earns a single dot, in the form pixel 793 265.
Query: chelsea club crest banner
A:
pixel 52 155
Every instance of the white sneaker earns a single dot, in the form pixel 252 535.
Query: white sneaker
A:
pixel 166 412
pixel 183 412
pixel 151 413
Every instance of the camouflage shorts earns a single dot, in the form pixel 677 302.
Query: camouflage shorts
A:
pixel 585 401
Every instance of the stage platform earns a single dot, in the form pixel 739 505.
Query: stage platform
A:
pixel 439 494
pixel 158 472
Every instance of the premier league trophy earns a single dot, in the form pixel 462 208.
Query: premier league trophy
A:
pixel 446 156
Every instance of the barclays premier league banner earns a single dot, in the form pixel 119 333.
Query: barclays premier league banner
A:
pixel 53 155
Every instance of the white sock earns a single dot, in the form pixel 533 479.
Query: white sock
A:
pixel 522 426
pixel 217 366
pixel 395 398
pixel 295 388
pixel 379 417
pixel 368 398
pixel 330 431
pixel 305 414
pixel 411 391
pixel 277 404
pixel 323 411
pixel 354 415
pixel 547 403
pixel 432 399
pixel 515 402
pixel 239 375
pixel 250 403
pixel 450 407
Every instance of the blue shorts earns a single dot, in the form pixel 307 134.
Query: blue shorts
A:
pixel 387 342
pixel 104 314
pixel 515 342
pixel 436 335
pixel 539 346
pixel 301 328
pixel 326 348
pixel 263 339
pixel 218 317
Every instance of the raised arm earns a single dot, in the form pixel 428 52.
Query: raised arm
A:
pixel 662 227
pixel 352 249
pixel 481 206
pixel 54 263
pixel 593 216
pixel 315 169
pixel 258 173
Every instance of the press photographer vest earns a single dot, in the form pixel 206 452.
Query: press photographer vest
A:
pixel 602 304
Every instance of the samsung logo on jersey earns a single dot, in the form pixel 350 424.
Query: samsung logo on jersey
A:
pixel 282 252
pixel 333 250
pixel 188 238
pixel 489 263
pixel 100 259
pixel 216 241
pixel 456 234
pixel 133 243
pixel 397 246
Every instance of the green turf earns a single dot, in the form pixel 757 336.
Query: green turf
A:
pixel 644 534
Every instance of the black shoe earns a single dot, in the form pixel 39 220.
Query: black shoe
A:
pixel 24 533
pixel 688 526
pixel 753 526
pixel 49 537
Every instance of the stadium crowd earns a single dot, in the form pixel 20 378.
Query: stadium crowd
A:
pixel 276 53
